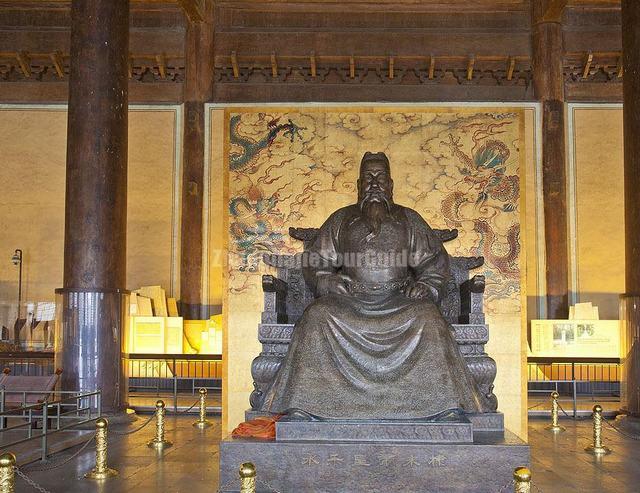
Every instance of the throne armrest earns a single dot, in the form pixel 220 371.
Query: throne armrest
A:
pixel 471 294
pixel 306 235
pixel 474 285
pixel 272 284
pixel 446 234
pixel 275 300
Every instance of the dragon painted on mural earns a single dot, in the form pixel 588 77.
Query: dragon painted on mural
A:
pixel 484 171
pixel 253 215
pixel 484 174
pixel 507 262
pixel 245 151
pixel 252 231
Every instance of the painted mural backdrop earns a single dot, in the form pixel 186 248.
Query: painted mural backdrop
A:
pixel 459 169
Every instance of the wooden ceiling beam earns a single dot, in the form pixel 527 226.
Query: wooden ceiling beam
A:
pixel 366 6
pixel 470 64
pixel 511 67
pixel 234 65
pixel 594 3
pixel 363 42
pixel 56 59
pixel 194 9
pixel 24 62
pixel 162 65
pixel 620 67
pixel 587 65
pixel 312 60
pixel 554 10
pixel 398 61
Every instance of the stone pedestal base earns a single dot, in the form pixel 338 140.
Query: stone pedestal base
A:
pixel 485 466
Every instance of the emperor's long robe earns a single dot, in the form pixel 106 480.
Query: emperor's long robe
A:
pixel 374 353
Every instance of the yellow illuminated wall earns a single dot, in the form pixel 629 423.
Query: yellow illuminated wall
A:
pixel 596 199
pixel 534 218
pixel 277 189
pixel 33 143
pixel 215 251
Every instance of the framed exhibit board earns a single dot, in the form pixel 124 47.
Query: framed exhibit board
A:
pixel 576 338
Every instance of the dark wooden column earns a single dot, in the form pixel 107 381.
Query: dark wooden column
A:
pixel 630 301
pixel 197 91
pixel 93 300
pixel 548 82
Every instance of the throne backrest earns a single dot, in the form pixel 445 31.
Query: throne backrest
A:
pixel 298 294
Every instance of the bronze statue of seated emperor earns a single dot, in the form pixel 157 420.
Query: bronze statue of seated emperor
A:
pixel 374 343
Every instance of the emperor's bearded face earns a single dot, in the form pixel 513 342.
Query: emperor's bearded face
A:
pixel 375 193
pixel 375 183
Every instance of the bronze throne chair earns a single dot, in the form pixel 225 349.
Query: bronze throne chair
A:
pixel 286 296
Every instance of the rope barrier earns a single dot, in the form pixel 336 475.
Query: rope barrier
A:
pixel 65 461
pixel 521 480
pixel 101 470
pixel 184 411
pixel 248 481
pixel 623 433
pixel 596 448
pixel 190 408
pixel 158 441
pixel 576 418
pixel 131 432
pixel 7 472
pixel 31 482
pixel 555 426
pixel 202 421
pixel 247 478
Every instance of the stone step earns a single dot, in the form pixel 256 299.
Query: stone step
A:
pixel 380 430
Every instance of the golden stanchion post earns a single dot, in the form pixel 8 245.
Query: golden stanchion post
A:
pixel 158 442
pixel 596 448
pixel 247 478
pixel 521 480
pixel 101 471
pixel 554 426
pixel 202 421
pixel 7 473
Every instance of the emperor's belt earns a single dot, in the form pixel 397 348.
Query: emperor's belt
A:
pixel 368 287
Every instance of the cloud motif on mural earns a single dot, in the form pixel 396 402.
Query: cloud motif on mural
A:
pixel 401 123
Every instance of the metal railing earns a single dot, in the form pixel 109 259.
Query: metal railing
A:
pixel 74 408
pixel 554 386
pixel 580 377
pixel 28 363
pixel 173 373
pixel 149 374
